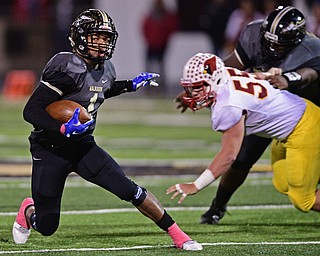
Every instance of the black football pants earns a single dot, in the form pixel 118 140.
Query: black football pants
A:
pixel 51 168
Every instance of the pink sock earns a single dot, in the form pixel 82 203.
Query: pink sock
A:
pixel 177 235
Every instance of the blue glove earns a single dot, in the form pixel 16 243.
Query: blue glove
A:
pixel 144 79
pixel 73 126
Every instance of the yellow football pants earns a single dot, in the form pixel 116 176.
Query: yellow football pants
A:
pixel 296 161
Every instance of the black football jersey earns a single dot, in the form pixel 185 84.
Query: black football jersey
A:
pixel 306 54
pixel 86 86
pixel 67 76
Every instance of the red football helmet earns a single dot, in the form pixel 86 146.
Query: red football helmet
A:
pixel 203 74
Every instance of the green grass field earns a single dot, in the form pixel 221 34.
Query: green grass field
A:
pixel 256 230
pixel 139 129
pixel 128 128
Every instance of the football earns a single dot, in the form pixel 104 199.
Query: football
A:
pixel 63 110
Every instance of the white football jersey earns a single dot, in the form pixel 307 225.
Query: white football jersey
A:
pixel 270 112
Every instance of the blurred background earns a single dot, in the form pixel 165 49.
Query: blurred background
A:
pixel 154 35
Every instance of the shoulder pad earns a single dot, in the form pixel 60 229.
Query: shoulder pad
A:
pixel 67 62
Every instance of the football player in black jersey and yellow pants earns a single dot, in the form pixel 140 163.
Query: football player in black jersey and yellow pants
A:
pixel 88 77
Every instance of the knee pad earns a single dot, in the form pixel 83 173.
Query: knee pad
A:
pixel 140 195
pixel 48 225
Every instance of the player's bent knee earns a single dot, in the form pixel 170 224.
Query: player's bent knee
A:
pixel 302 204
pixel 280 187
pixel 49 225
pixel 139 196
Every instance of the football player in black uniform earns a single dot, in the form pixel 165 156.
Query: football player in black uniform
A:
pixel 279 41
pixel 88 77
pixel 279 44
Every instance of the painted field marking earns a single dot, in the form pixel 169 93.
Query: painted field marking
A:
pixel 173 209
pixel 103 211
pixel 153 247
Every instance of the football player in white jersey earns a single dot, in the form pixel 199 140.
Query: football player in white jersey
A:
pixel 281 46
pixel 241 105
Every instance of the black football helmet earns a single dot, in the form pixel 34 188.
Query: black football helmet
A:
pixel 281 31
pixel 93 22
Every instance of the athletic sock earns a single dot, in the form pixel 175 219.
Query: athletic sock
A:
pixel 165 222
pixel 33 221
pixel 223 195
pixel 178 236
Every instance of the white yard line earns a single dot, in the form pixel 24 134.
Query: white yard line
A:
pixel 172 209
pixel 153 247
pixel 104 211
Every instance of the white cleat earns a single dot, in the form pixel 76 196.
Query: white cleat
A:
pixel 20 234
pixel 192 246
pixel 21 230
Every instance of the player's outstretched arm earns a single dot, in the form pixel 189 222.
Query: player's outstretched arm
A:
pixel 144 79
pixel 230 146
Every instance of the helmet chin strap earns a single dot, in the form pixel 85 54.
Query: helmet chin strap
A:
pixel 95 64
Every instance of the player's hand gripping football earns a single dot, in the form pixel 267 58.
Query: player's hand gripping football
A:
pixel 144 79
pixel 73 126
pixel 184 189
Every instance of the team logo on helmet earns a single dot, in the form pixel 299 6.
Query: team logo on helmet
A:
pixel 281 31
pixel 89 22
pixel 203 74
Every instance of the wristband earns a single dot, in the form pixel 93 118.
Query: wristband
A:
pixel 205 179
pixel 293 78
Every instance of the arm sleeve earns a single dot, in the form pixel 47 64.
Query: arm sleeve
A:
pixel 313 64
pixel 53 85
pixel 35 110
pixel 59 81
pixel 248 46
pixel 119 87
